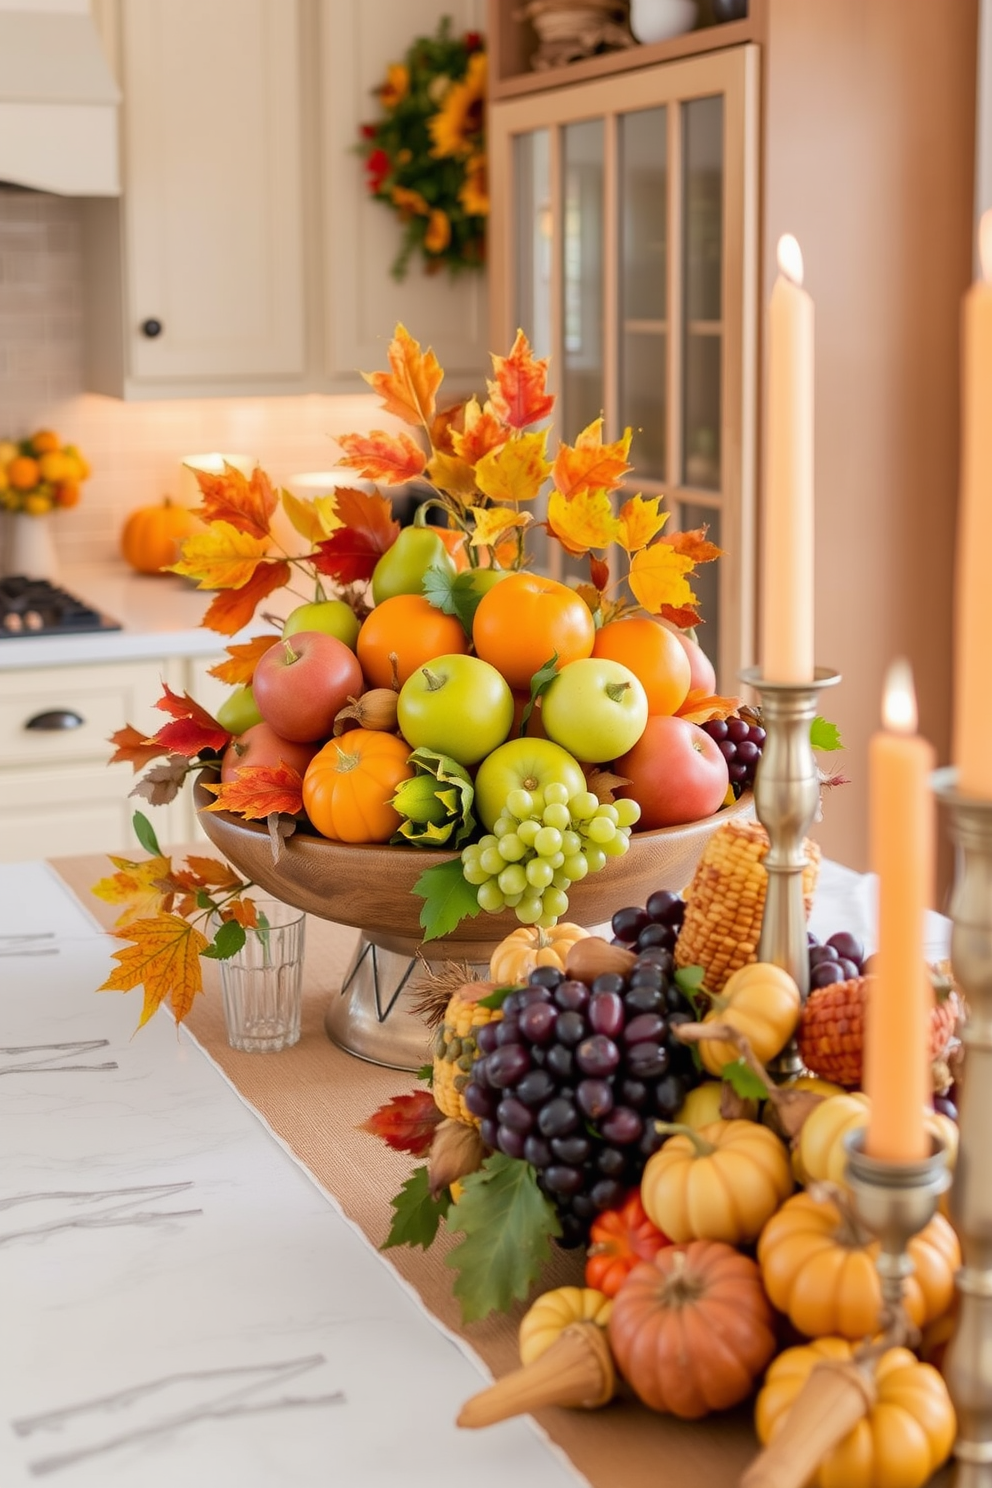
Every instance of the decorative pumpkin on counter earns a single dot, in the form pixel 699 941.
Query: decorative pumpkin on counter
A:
pixel 721 1183
pixel 151 536
pixel 818 1266
pixel 618 1241
pixel 902 1440
pixel 762 1002
pixel 692 1329
pixel 522 950
pixel 555 1311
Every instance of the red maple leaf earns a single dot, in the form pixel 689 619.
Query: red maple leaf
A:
pixel 134 748
pixel 193 729
pixel 258 790
pixel 599 572
pixel 684 616
pixel 352 551
pixel 519 393
pixel 231 609
pixel 406 1123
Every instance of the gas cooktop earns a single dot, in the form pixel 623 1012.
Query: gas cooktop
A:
pixel 36 607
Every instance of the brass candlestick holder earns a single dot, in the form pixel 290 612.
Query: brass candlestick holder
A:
pixel 786 795
pixel 968 1363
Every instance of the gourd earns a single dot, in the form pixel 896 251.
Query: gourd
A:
pixel 721 1183
pixel 619 1239
pixel 818 1267
pixel 555 1311
pixel 455 1048
pixel 522 950
pixel 152 535
pixel 701 1106
pixel 899 1443
pixel 762 1002
pixel 692 1329
pixel 822 1150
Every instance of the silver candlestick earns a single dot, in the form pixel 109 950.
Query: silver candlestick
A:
pixel 786 796
pixel 968 1363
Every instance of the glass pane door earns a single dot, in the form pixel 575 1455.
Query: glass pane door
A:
pixel 702 276
pixel 534 242
pixel 643 351
pixel 582 277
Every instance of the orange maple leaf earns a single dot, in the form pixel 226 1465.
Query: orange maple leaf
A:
pixel 639 522
pixel 686 617
pixel 518 394
pixel 134 748
pixel 258 790
pixel 164 958
pixel 378 456
pixel 232 609
pixel 369 528
pixel 515 471
pixel 480 433
pixel 246 504
pixel 143 888
pixel 589 464
pixel 406 1123
pixel 242 660
pixel 409 390
pixel 694 544
pixel 700 706
pixel 582 522
pixel 245 911
pixel 222 557
pixel 658 576
pixel 203 873
pixel 192 730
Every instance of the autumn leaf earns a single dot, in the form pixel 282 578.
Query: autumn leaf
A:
pixel 162 783
pixel 313 518
pixel 389 458
pixel 243 911
pixel 165 959
pixel 409 390
pixel 138 887
pixel 406 1123
pixel 242 660
pixel 133 748
pixel 603 783
pixel 232 609
pixel 700 706
pixel 207 873
pixel 585 522
pixel 515 471
pixel 222 557
pixel 658 577
pixel 599 572
pixel 481 432
pixel 518 395
pixel 684 616
pixel 493 523
pixel 257 790
pixel 192 730
pixel 352 552
pixel 589 464
pixel 450 474
pixel 639 522
pixel 694 544
pixel 243 503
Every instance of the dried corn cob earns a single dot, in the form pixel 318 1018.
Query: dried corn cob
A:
pixel 831 1029
pixel 455 1049
pixel 726 900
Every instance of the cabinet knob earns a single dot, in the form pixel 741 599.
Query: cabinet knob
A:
pixel 55 720
pixel 151 328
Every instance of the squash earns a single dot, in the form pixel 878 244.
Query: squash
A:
pixel 692 1329
pixel 822 1153
pixel 721 1183
pixel 818 1267
pixel 701 1106
pixel 618 1240
pixel 902 1440
pixel 555 1311
pixel 522 950
pixel 349 784
pixel 762 1002
pixel 152 535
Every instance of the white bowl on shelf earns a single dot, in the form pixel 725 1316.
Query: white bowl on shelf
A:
pixel 660 20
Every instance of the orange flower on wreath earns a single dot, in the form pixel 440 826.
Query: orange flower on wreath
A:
pixel 461 116
pixel 438 234
pixel 409 203
pixel 396 86
pixel 474 194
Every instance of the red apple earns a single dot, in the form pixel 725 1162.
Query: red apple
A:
pixel 302 681
pixel 261 745
pixel 677 773
pixel 702 673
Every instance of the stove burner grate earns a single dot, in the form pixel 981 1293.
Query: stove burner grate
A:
pixel 37 607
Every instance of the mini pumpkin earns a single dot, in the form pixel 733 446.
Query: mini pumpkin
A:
pixel 619 1239
pixel 902 1440
pixel 822 1153
pixel 349 784
pixel 762 1002
pixel 152 535
pixel 721 1183
pixel 522 950
pixel 692 1329
pixel 555 1311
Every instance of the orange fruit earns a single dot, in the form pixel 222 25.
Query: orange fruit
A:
pixel 23 473
pixel 67 493
pixel 655 656
pixel 409 626
pixel 45 442
pixel 56 467
pixel 525 620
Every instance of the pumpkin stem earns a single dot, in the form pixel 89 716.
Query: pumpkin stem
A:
pixel 678 1129
pixel 850 1232
pixel 681 1288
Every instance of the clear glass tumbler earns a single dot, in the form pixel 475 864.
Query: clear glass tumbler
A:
pixel 262 983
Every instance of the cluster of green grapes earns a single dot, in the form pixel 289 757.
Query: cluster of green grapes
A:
pixel 542 842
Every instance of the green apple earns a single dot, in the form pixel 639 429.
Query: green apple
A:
pixel 456 705
pixel 239 711
pixel 523 764
pixel 332 616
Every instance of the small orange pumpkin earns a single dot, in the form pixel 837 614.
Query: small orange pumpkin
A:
pixel 152 535
pixel 350 782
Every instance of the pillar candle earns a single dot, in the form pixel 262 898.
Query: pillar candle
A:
pixel 787 573
pixel 973 622
pixel 902 829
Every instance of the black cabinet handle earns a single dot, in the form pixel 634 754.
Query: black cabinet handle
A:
pixel 55 720
pixel 151 328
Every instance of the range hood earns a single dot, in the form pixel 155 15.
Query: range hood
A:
pixel 58 100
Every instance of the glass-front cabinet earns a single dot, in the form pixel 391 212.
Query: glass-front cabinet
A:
pixel 624 244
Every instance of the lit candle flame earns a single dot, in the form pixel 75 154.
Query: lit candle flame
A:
pixel 985 245
pixel 899 699
pixel 790 258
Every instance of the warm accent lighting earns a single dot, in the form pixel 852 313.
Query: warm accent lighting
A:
pixel 790 258
pixel 899 699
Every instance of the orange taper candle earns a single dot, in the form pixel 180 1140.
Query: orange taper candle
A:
pixel 903 841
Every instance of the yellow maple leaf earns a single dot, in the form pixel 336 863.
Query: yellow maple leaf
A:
pixel 582 522
pixel 410 389
pixel 221 557
pixel 164 958
pixel 451 474
pixel 515 471
pixel 136 886
pixel 639 522
pixel 589 464
pixel 658 577
pixel 492 523
pixel 313 518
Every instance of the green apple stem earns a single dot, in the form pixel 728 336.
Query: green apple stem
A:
pixel 434 682
pixel 616 690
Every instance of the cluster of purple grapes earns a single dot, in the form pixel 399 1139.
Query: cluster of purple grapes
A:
pixel 837 960
pixel 741 743
pixel 573 1078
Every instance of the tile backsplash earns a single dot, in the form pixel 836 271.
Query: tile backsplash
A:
pixel 135 449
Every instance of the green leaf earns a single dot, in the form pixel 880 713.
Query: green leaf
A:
pixel 743 1081
pixel 689 980
pixel 416 1216
pixel 426 1073
pixel 495 1000
pixel 145 833
pixel 824 736
pixel 448 898
pixel 508 1225
pixel 539 683
pixel 227 942
pixel 454 594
